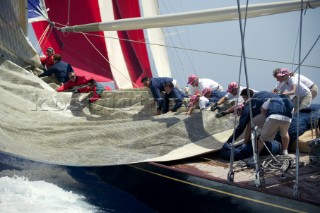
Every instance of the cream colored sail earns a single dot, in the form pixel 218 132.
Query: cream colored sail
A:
pixel 156 36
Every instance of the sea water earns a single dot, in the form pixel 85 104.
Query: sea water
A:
pixel 18 194
pixel 28 186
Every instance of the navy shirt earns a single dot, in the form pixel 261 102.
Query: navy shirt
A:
pixel 177 95
pixel 263 95
pixel 256 102
pixel 306 117
pixel 156 87
pixel 280 105
pixel 60 70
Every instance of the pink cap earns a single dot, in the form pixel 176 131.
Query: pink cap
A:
pixel 232 86
pixel 193 99
pixel 191 79
pixel 283 72
pixel 206 90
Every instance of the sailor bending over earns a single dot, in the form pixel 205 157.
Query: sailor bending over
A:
pixel 156 86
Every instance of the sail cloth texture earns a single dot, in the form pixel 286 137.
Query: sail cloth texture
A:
pixel 40 124
pixel 13 44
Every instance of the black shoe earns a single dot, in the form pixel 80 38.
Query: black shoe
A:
pixel 221 114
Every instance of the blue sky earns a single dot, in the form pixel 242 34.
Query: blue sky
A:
pixel 271 37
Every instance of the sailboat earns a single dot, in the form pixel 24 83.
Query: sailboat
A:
pixel 120 141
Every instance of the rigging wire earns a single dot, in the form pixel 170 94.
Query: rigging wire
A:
pixel 69 6
pixel 247 82
pixel 300 64
pixel 51 26
pixel 176 53
pixel 294 52
pixel 45 35
pixel 188 49
pixel 297 155
pixel 242 31
pixel 42 37
pixel 295 47
pixel 95 48
pixel 37 10
pixel 175 50
pixel 203 51
pixel 296 186
pixel 216 53
pixel 108 60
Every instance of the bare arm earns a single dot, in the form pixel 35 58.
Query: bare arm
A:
pixel 190 110
pixel 222 100
pixel 292 90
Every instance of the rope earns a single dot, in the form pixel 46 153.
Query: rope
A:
pixel 47 37
pixel 271 155
pixel 68 21
pixel 298 99
pixel 38 10
pixel 244 62
pixel 208 52
pixel 38 48
pixel 108 60
pixel 178 56
pixel 85 35
pixel 308 53
pixel 273 164
pixel 239 77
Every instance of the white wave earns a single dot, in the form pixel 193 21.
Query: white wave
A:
pixel 18 194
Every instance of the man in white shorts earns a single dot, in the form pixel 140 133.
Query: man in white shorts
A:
pixel 279 111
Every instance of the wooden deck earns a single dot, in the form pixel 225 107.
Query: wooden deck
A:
pixel 276 182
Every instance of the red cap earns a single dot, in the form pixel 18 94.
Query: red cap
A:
pixel 283 72
pixel 191 79
pixel 232 86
